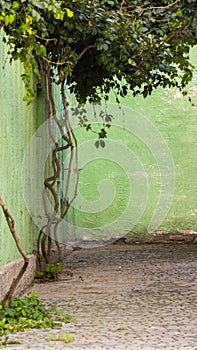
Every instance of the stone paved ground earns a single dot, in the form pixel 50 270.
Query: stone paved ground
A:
pixel 124 297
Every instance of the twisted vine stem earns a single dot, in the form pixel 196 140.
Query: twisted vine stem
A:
pixel 48 233
pixel 11 224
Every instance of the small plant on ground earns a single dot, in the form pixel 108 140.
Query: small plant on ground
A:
pixel 59 316
pixel 29 312
pixel 50 273
pixel 66 338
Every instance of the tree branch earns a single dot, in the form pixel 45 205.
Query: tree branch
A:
pixel 164 7
pixel 153 7
pixel 11 225
pixel 84 51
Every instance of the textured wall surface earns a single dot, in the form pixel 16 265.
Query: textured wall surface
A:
pixel 17 124
pixel 9 271
pixel 120 184
pixel 176 119
pixel 105 188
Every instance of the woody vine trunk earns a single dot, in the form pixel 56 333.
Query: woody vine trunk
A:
pixel 49 232
pixel 11 224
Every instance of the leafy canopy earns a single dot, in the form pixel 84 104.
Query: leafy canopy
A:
pixel 96 45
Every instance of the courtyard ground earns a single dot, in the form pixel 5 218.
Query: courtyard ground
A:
pixel 138 296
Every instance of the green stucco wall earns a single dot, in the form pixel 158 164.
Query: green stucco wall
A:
pixel 176 119
pixel 100 204
pixel 120 184
pixel 17 124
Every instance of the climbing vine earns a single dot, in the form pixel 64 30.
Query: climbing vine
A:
pixel 94 47
pixel 11 224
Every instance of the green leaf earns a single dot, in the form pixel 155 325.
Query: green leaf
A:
pixel 9 19
pixel 15 5
pixel 36 15
pixel 131 62
pixel 59 15
pixel 102 133
pixel 88 127
pixel 179 13
pixel 69 13
pixel 102 143
pixel 97 144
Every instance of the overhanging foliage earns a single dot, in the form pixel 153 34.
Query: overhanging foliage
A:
pixel 97 44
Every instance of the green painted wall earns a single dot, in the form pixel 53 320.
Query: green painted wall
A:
pixel 120 184
pixel 176 119
pixel 17 124
pixel 100 204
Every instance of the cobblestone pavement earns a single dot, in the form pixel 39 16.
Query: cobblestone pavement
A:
pixel 123 297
